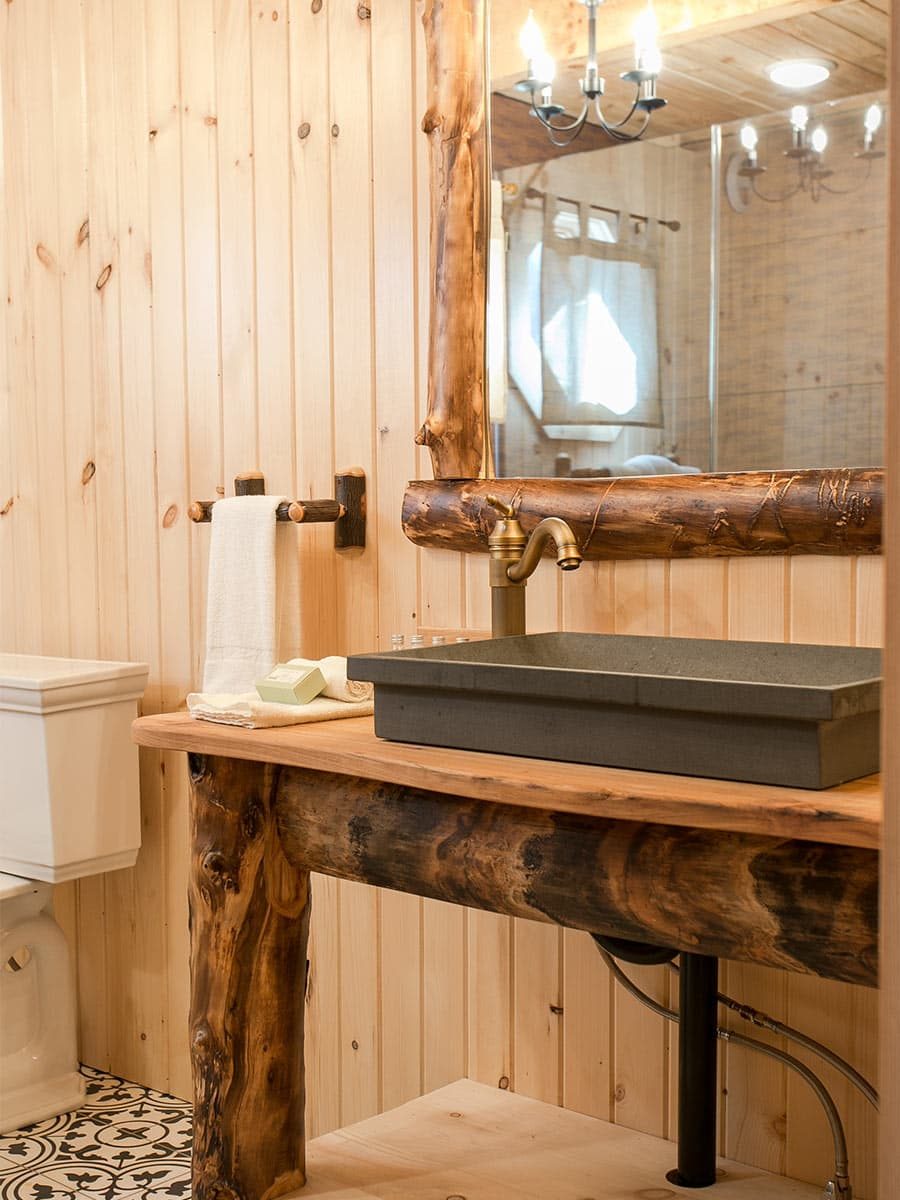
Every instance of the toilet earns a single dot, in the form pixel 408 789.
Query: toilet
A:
pixel 69 807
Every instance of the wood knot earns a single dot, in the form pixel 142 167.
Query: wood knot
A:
pixel 503 1082
pixel 196 767
pixel 152 134
pixel 557 1010
pixel 88 472
pixel 619 1093
pixel 103 277
pixel 355 1044
pixel 335 130
pixel 303 130
pixel 431 121
pixel 363 12
pixel 7 506
pixel 45 256
pixel 214 864
pixel 84 232
pixel 316 6
pixel 252 820
pixel 170 516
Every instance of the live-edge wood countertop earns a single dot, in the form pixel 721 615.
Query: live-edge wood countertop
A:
pixel 849 815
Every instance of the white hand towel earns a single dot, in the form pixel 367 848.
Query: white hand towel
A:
pixel 240 606
pixel 247 710
pixel 337 685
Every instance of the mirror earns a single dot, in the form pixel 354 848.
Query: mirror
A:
pixel 710 297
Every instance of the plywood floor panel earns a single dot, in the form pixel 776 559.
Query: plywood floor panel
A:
pixel 481 1143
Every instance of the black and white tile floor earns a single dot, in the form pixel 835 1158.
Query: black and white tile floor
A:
pixel 125 1143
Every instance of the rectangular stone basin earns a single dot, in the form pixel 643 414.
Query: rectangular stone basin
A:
pixel 801 716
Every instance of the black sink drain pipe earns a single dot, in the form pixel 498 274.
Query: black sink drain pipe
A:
pixel 698 1083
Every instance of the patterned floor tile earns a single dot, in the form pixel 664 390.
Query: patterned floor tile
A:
pixel 125 1143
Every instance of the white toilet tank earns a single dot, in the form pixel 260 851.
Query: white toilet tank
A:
pixel 69 800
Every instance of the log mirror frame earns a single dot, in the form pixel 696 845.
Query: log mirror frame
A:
pixel 827 511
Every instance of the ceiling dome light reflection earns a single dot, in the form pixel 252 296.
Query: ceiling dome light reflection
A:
pixel 799 73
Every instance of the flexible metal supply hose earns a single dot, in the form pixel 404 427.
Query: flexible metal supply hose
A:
pixel 840 1186
pixel 764 1021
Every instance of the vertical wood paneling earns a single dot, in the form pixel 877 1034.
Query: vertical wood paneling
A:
pixel 353 405
pixel 538 1008
pixel 755 1127
pixel 134 898
pixel 263 213
pixel 824 609
pixel 395 232
pixel 889 1157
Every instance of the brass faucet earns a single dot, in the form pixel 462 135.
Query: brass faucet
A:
pixel 514 559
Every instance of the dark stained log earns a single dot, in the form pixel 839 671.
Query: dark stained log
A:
pixel 350 493
pixel 517 139
pixel 200 511
pixel 803 906
pixel 249 915
pixel 829 511
pixel 311 512
pixel 250 483
pixel 456 127
pixel 347 511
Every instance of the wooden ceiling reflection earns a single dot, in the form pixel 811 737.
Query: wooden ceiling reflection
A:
pixel 721 77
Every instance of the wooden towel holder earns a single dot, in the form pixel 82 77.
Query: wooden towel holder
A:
pixel 347 511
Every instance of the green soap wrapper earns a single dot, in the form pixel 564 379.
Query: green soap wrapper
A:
pixel 286 684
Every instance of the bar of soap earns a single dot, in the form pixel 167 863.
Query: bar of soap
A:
pixel 286 684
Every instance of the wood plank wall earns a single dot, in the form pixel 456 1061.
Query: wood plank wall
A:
pixel 889 1161
pixel 212 239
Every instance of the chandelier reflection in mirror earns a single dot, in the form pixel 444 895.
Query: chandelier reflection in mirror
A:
pixel 808 149
pixel 542 69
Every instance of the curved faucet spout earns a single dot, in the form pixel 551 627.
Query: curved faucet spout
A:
pixel 568 556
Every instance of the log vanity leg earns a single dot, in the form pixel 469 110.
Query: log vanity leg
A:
pixel 249 922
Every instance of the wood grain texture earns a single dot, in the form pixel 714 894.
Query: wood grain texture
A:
pixel 889 1154
pixel 798 905
pixel 803 906
pixel 201 428
pixel 249 914
pixel 470 1140
pixel 455 123
pixel 849 815
pixel 666 516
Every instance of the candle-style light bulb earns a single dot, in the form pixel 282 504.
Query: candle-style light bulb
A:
pixel 872 119
pixel 749 139
pixel 646 52
pixel 531 40
pixel 799 118
pixel 544 68
pixel 819 139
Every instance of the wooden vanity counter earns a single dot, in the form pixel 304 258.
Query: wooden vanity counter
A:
pixel 779 876
pixel 849 815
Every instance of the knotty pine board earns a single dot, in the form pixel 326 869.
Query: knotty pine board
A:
pixel 266 306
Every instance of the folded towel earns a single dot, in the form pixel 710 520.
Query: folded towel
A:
pixel 337 685
pixel 247 710
pixel 240 606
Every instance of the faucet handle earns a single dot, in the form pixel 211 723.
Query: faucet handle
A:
pixel 504 509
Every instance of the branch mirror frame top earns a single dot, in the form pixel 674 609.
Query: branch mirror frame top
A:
pixel 834 509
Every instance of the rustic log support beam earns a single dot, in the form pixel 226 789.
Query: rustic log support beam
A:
pixel 802 906
pixel 831 511
pixel 249 914
pixel 455 123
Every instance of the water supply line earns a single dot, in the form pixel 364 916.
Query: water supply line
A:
pixel 837 1188
pixel 764 1021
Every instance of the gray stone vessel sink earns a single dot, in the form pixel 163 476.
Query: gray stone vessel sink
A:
pixel 804 716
